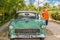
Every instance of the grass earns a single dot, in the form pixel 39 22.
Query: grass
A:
pixel 54 11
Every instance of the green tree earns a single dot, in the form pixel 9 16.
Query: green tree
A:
pixel 2 7
pixel 31 7
pixel 47 5
pixel 54 8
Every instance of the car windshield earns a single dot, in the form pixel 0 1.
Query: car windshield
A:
pixel 26 15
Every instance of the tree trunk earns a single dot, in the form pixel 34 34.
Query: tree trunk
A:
pixel 3 15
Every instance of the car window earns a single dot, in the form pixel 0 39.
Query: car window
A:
pixel 27 15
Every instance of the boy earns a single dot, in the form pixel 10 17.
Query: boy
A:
pixel 45 15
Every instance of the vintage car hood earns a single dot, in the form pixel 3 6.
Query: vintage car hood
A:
pixel 22 24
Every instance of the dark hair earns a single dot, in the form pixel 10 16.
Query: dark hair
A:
pixel 44 7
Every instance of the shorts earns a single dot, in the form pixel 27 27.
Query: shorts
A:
pixel 46 22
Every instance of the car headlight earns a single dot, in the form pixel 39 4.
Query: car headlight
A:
pixel 43 26
pixel 10 27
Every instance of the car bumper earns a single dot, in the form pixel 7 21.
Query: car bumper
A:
pixel 28 36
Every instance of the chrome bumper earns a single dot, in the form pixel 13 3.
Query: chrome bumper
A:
pixel 28 36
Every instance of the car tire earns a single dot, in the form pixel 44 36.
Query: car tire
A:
pixel 8 36
pixel 11 39
pixel 42 38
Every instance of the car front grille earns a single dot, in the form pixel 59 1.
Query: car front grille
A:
pixel 29 31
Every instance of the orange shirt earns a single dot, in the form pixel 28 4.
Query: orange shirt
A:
pixel 45 14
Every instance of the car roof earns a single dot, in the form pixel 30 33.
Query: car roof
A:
pixel 27 11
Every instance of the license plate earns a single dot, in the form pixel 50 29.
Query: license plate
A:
pixel 25 36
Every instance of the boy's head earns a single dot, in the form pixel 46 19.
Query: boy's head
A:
pixel 44 7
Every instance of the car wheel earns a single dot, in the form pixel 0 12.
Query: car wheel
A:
pixel 11 39
pixel 8 36
pixel 41 38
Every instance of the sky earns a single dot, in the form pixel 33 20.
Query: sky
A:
pixel 42 2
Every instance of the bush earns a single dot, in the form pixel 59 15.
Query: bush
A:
pixel 1 20
pixel 7 17
pixel 56 16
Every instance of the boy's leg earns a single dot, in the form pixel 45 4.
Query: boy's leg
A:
pixel 46 22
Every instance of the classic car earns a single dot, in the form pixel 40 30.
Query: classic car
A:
pixel 27 24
